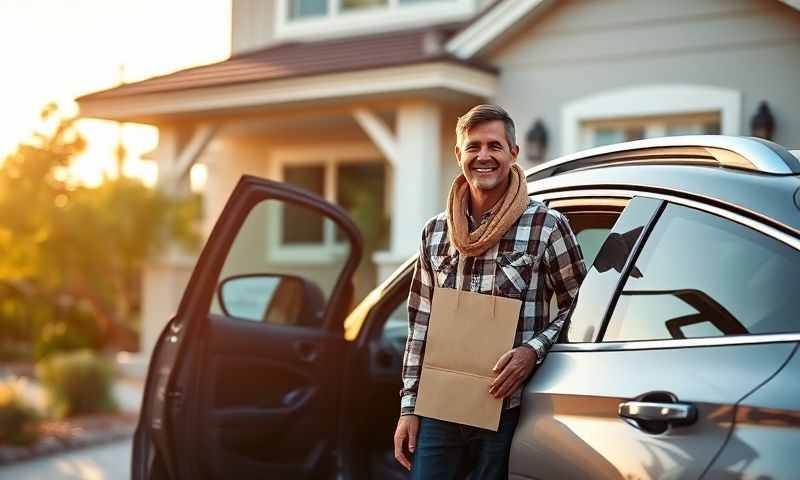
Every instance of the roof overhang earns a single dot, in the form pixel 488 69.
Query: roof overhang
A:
pixel 486 29
pixel 440 76
pixel 503 18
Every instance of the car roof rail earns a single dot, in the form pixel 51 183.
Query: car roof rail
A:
pixel 743 153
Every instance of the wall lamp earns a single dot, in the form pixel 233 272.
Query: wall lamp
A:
pixel 536 142
pixel 762 124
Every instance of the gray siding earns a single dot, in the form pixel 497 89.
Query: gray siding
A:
pixel 252 24
pixel 581 48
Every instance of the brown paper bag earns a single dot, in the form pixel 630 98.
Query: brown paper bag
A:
pixel 467 333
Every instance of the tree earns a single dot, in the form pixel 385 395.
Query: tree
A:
pixel 76 245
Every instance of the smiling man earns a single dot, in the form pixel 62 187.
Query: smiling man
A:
pixel 508 245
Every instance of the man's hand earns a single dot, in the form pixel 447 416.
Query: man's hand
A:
pixel 407 428
pixel 513 367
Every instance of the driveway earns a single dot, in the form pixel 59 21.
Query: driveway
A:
pixel 107 462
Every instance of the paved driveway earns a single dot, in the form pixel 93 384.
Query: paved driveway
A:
pixel 107 462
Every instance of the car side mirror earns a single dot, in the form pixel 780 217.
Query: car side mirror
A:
pixel 272 298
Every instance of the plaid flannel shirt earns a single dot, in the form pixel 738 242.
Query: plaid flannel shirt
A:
pixel 536 258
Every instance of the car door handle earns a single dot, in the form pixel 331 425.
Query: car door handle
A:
pixel 675 413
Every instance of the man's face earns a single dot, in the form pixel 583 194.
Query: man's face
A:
pixel 485 156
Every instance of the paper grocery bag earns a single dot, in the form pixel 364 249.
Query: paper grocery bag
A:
pixel 467 333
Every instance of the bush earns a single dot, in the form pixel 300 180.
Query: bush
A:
pixel 17 417
pixel 78 383
pixel 33 326
pixel 11 351
pixel 57 337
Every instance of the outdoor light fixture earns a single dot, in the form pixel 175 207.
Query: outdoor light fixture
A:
pixel 536 142
pixel 762 124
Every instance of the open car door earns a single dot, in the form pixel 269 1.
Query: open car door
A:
pixel 244 380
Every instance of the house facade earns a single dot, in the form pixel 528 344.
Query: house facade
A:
pixel 345 96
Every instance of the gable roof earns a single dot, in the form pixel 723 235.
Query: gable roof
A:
pixel 297 59
pixel 503 17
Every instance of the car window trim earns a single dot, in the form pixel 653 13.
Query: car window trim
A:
pixel 626 270
pixel 729 340
pixel 598 345
pixel 768 230
pixel 595 204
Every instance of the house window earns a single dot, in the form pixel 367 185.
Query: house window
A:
pixel 595 133
pixel 317 18
pixel 645 111
pixel 296 228
pixel 307 8
pixel 300 9
pixel 357 186
pixel 349 5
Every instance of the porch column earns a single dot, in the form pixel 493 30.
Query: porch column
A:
pixel 415 180
pixel 166 277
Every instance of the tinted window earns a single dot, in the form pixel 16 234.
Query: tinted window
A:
pixel 699 275
pixel 590 229
pixel 395 330
pixel 602 278
pixel 258 283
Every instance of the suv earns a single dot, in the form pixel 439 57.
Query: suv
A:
pixel 678 359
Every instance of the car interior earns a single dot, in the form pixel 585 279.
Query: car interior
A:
pixel 371 391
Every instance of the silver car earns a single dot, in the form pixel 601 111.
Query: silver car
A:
pixel 678 360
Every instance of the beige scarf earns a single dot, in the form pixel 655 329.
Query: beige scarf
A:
pixel 503 214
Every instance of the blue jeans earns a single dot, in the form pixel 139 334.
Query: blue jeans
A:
pixel 449 451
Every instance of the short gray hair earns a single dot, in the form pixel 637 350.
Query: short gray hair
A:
pixel 482 114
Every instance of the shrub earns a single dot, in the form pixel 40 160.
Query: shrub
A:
pixel 77 383
pixel 57 337
pixel 17 417
pixel 11 351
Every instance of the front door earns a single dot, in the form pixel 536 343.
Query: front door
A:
pixel 244 381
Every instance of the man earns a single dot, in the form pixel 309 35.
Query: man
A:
pixel 510 246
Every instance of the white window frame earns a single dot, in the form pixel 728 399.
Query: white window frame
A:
pixel 372 19
pixel 650 101
pixel 653 127
pixel 330 251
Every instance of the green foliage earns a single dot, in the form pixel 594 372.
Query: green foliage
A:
pixel 33 326
pixel 17 417
pixel 15 351
pixel 78 383
pixel 72 252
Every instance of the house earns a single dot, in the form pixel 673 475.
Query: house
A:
pixel 342 93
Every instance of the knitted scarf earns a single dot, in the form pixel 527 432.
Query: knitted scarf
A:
pixel 503 214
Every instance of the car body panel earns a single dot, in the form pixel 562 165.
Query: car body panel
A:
pixel 569 425
pixel 766 434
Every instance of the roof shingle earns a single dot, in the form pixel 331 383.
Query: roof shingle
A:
pixel 289 60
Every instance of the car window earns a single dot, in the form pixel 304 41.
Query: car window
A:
pixel 395 330
pixel 261 281
pixel 602 277
pixel 700 275
pixel 591 229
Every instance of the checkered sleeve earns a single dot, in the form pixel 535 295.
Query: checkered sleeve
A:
pixel 419 310
pixel 564 272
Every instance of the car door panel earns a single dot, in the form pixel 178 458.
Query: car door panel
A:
pixel 570 427
pixel 235 397
pixel 681 330
pixel 766 433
